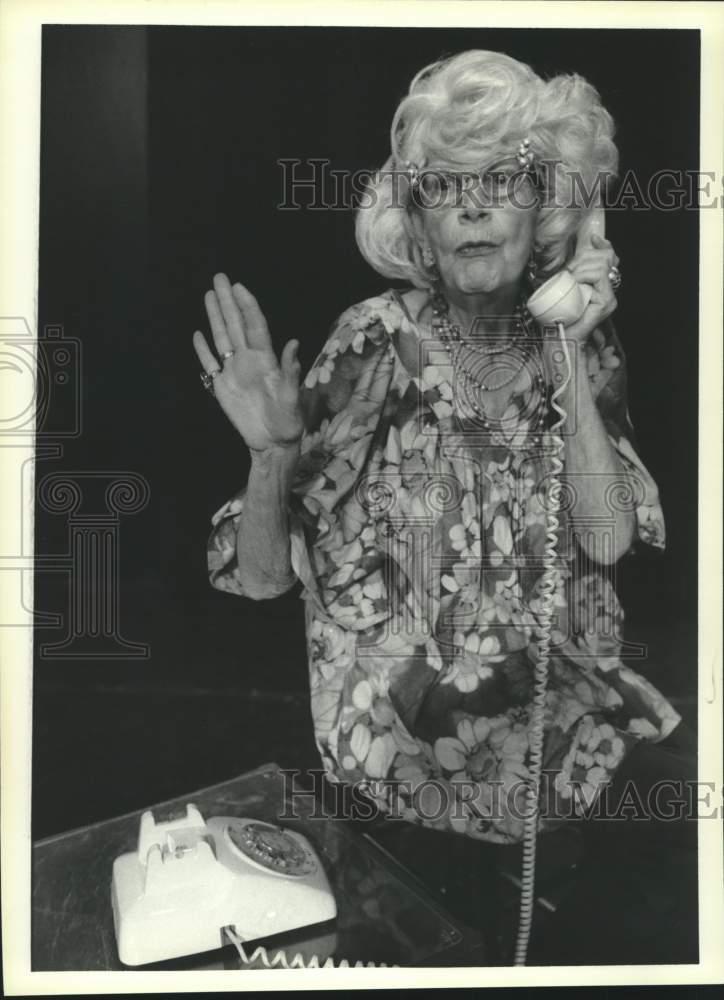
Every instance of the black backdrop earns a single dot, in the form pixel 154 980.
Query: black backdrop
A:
pixel 159 152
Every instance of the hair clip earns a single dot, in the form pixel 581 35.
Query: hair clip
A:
pixel 413 173
pixel 525 157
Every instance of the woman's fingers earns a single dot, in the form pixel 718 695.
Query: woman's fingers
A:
pixel 609 257
pixel 229 311
pixel 255 325
pixel 586 275
pixel 603 297
pixel 590 271
pixel 222 341
pixel 600 243
pixel 289 363
pixel 205 355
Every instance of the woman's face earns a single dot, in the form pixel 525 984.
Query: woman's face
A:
pixel 480 232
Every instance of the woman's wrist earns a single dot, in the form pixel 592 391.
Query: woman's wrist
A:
pixel 263 546
pixel 276 455
pixel 272 473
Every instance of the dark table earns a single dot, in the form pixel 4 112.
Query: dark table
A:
pixel 384 913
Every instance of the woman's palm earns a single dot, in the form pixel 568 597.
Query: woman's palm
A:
pixel 260 402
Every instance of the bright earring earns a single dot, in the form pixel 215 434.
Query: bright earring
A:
pixel 532 268
pixel 427 258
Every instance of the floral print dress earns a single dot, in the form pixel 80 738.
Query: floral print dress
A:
pixel 418 540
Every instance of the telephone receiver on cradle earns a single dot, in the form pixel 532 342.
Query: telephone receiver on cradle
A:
pixel 561 299
pixel 190 879
pixel 194 885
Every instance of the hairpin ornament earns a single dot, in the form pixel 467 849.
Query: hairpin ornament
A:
pixel 413 173
pixel 525 156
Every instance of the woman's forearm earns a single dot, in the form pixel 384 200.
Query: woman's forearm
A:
pixel 593 466
pixel 263 543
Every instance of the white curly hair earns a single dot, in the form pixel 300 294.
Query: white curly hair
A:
pixel 468 109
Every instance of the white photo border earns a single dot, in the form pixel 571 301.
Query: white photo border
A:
pixel 20 38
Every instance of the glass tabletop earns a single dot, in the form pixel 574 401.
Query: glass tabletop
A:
pixel 383 913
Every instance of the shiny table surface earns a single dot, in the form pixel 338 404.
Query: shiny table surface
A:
pixel 384 913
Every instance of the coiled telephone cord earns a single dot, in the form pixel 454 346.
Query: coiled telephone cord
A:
pixel 280 960
pixel 544 629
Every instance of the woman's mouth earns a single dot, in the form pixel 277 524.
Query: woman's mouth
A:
pixel 479 248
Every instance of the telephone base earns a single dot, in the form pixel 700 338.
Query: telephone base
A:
pixel 190 879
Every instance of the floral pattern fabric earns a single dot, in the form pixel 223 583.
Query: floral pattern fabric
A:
pixel 419 539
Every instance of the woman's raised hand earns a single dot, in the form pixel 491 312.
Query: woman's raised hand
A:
pixel 258 394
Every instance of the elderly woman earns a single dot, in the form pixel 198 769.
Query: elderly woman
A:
pixel 406 481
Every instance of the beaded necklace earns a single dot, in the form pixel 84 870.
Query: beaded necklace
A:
pixel 474 386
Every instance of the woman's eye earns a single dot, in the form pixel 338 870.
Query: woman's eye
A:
pixel 445 188
pixel 450 184
pixel 439 186
pixel 456 184
pixel 432 185
pixel 500 178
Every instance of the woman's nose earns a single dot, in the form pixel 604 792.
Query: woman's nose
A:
pixel 472 203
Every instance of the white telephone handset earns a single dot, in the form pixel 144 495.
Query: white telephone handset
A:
pixel 191 881
pixel 562 299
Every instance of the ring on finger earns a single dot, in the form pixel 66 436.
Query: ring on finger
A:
pixel 614 276
pixel 207 379
pixel 227 354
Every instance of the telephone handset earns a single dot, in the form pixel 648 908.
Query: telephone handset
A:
pixel 561 299
pixel 559 302
pixel 194 885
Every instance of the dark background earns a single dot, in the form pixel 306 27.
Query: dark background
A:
pixel 159 152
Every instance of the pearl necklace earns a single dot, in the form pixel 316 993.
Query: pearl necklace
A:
pixel 451 335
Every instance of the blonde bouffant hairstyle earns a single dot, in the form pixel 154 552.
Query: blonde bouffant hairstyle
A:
pixel 468 108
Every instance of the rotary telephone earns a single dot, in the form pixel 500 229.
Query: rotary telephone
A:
pixel 194 885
